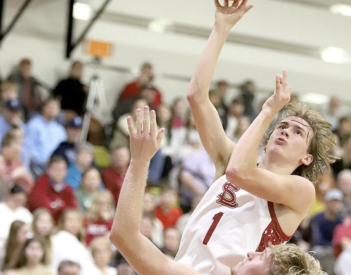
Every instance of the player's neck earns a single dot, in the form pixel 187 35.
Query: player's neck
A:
pixel 280 167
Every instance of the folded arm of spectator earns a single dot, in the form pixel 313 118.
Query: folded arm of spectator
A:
pixel 187 179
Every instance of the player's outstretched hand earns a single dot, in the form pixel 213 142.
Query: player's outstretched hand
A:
pixel 145 140
pixel 228 15
pixel 281 95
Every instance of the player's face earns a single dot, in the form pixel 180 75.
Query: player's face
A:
pixel 292 135
pixel 256 263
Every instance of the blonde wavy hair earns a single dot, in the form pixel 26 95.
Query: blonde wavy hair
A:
pixel 289 259
pixel 105 197
pixel 61 224
pixel 99 242
pixel 36 215
pixel 322 141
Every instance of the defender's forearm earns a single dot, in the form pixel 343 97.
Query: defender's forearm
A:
pixel 128 214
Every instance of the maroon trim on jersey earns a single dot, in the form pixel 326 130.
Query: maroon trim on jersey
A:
pixel 276 222
pixel 273 234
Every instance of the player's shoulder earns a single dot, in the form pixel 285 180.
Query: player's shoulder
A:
pixel 304 187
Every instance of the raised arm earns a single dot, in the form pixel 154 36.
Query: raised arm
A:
pixel 293 191
pixel 208 123
pixel 125 234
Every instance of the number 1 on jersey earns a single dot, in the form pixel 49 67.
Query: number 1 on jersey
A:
pixel 216 218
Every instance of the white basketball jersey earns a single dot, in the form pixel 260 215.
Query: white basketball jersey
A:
pixel 227 224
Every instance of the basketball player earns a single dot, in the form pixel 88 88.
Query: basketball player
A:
pixel 143 255
pixel 250 205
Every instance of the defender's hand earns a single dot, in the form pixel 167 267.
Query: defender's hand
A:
pixel 145 141
pixel 228 15
pixel 281 95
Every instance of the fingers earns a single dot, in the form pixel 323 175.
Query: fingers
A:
pixel 139 122
pixel 243 6
pixel 235 4
pixel 226 3
pixel 160 136
pixel 146 121
pixel 285 78
pixel 217 4
pixel 153 124
pixel 248 8
pixel 130 126
pixel 278 82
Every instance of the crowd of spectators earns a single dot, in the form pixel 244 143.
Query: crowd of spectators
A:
pixel 57 199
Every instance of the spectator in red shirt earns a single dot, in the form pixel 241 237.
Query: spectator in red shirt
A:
pixel 342 235
pixel 134 88
pixel 99 216
pixel 166 212
pixel 146 77
pixel 51 192
pixel 113 176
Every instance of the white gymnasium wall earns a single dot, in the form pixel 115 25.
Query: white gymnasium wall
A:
pixel 39 35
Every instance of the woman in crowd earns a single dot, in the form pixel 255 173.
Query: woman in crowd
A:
pixel 243 124
pixel 102 254
pixel 99 217
pixel 185 139
pixel 171 242
pixel 178 112
pixel 151 222
pixel 43 227
pixel 19 232
pixel 71 231
pixel 31 259
pixel 91 180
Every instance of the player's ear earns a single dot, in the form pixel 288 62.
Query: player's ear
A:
pixel 307 159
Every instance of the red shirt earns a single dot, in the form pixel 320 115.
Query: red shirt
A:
pixel 341 231
pixel 168 219
pixel 96 228
pixel 44 195
pixel 133 89
pixel 113 181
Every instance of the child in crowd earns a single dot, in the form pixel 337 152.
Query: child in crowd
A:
pixel 71 231
pixel 43 227
pixel 91 181
pixel 84 160
pixel 157 226
pixel 102 254
pixel 31 259
pixel 171 242
pixel 99 217
pixel 15 172
pixel 19 232
pixel 166 212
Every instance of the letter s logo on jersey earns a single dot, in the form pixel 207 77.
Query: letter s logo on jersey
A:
pixel 228 197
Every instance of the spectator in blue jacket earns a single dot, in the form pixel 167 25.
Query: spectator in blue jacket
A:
pixel 67 148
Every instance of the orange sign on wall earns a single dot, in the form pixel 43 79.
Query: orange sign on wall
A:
pixel 98 49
